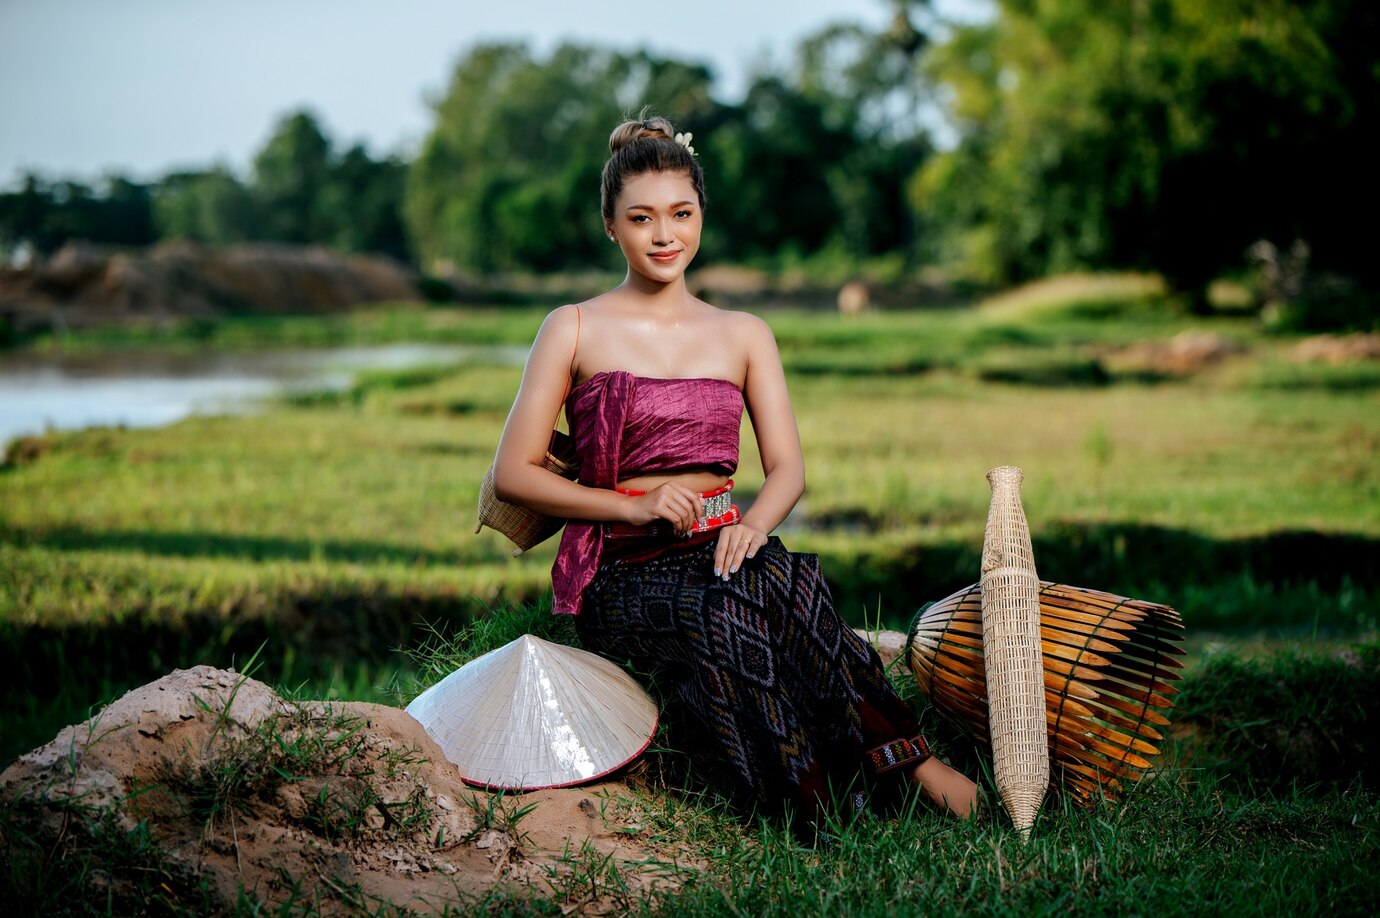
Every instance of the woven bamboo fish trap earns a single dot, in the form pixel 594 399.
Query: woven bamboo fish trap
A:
pixel 1108 665
pixel 1011 641
pixel 527 528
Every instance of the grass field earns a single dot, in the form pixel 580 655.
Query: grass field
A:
pixel 335 526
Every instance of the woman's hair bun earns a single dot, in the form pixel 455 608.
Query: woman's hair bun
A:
pixel 649 128
pixel 642 145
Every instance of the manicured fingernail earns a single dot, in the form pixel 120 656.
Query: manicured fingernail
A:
pixel 733 569
pixel 718 573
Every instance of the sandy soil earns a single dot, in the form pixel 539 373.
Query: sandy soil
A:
pixel 205 788
pixel 344 804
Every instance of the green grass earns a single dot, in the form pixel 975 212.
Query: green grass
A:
pixel 1302 716
pixel 1171 850
pixel 1208 832
pixel 1218 827
pixel 98 867
pixel 383 323
pixel 337 527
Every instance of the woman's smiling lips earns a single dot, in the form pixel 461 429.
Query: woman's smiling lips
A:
pixel 664 256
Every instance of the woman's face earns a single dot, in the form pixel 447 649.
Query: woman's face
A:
pixel 656 222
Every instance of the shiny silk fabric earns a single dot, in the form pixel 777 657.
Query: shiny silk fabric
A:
pixel 625 426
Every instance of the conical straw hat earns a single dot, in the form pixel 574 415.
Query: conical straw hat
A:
pixel 533 714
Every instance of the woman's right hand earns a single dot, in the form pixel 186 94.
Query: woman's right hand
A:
pixel 669 501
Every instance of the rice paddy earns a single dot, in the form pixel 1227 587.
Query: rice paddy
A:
pixel 337 528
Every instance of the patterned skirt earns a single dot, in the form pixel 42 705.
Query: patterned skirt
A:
pixel 764 673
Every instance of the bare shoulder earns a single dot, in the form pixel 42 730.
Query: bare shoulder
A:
pixel 562 324
pixel 753 343
pixel 734 322
pixel 562 316
pixel 748 324
pixel 751 330
pixel 559 335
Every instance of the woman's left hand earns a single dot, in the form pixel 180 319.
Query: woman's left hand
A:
pixel 736 544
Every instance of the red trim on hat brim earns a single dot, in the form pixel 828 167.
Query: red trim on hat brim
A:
pixel 590 780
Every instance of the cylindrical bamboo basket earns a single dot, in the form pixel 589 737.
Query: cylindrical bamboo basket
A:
pixel 1108 665
pixel 1011 642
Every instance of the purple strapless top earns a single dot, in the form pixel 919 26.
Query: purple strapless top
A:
pixel 625 426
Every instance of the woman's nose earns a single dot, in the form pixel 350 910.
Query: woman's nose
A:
pixel 661 231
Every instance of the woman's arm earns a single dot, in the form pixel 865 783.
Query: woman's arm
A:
pixel 778 441
pixel 520 476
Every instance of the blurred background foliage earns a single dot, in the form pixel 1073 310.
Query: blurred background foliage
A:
pixel 1201 140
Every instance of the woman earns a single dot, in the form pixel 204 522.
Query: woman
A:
pixel 658 564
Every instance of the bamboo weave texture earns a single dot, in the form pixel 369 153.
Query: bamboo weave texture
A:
pixel 1108 667
pixel 1011 638
pixel 527 528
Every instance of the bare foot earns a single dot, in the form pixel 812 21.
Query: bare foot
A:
pixel 947 788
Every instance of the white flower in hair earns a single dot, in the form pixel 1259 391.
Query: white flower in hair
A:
pixel 684 141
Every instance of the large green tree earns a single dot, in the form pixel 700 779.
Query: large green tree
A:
pixel 211 206
pixel 291 173
pixel 848 115
pixel 509 176
pixel 300 192
pixel 1164 134
pixel 813 156
pixel 361 206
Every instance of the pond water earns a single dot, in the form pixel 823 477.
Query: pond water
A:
pixel 149 389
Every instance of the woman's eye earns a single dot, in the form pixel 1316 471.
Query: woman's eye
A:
pixel 683 214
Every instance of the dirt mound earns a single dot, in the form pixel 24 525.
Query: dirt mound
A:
pixel 84 285
pixel 1064 291
pixel 1338 349
pixel 205 789
pixel 1184 354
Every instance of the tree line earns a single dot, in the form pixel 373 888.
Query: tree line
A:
pixel 300 190
pixel 1168 135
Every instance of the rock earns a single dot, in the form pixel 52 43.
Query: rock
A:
pixel 889 644
pixel 854 298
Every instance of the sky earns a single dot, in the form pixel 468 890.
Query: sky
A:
pixel 143 87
